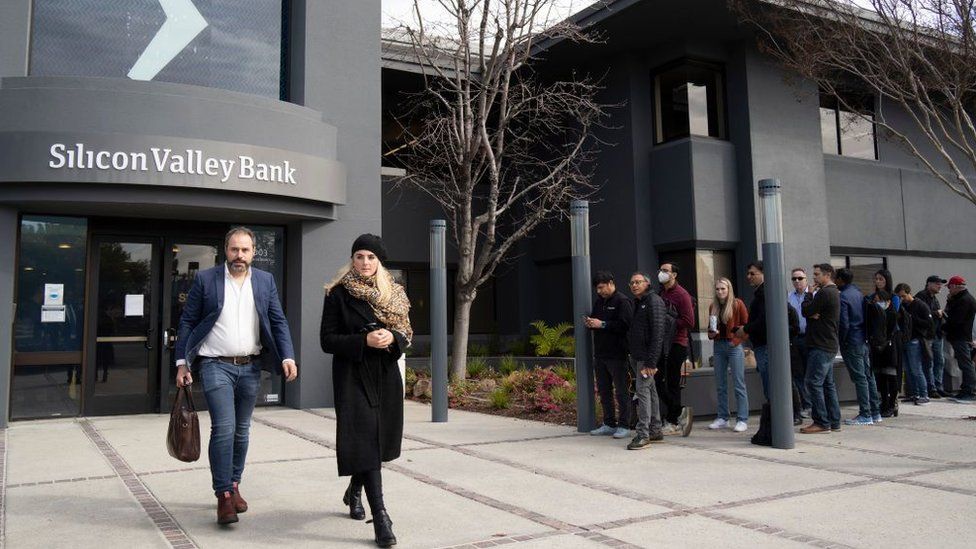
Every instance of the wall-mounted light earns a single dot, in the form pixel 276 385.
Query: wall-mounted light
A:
pixel 64 246
pixel 28 268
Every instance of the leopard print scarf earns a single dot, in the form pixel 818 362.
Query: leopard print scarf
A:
pixel 394 314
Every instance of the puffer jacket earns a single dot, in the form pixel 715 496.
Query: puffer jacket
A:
pixel 646 335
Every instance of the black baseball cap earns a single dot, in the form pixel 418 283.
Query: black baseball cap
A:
pixel 935 278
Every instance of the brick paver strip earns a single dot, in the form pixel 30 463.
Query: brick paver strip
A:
pixel 921 430
pixel 161 517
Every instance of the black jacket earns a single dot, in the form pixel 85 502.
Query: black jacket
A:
pixel 756 327
pixel 367 385
pixel 960 311
pixel 822 331
pixel 616 311
pixel 933 302
pixel 921 319
pixel 646 335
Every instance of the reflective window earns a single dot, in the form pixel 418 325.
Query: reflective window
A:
pixel 846 133
pixel 689 99
pixel 862 267
pixel 49 322
pixel 229 44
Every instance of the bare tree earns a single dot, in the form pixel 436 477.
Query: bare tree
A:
pixel 501 148
pixel 916 57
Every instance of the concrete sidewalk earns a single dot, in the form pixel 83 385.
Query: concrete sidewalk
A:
pixel 482 481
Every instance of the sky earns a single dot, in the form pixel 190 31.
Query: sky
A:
pixel 396 12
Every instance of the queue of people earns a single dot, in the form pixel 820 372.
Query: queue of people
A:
pixel 888 338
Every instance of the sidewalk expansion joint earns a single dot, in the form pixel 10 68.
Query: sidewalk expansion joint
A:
pixel 165 523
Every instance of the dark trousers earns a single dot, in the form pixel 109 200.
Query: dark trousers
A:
pixel 668 382
pixel 888 389
pixel 611 380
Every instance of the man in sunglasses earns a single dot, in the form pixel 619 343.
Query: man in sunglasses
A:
pixel 800 288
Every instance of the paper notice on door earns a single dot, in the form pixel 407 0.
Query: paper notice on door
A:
pixel 54 294
pixel 52 313
pixel 134 304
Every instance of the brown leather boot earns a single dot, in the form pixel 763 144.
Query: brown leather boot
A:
pixel 225 509
pixel 239 504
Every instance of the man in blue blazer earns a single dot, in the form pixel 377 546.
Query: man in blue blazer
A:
pixel 232 327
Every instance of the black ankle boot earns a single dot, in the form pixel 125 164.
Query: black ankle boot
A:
pixel 354 499
pixel 383 528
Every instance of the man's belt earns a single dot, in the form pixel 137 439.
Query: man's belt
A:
pixel 237 360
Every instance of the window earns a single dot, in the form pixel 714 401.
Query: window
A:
pixel 846 133
pixel 689 99
pixel 50 317
pixel 863 268
pixel 232 44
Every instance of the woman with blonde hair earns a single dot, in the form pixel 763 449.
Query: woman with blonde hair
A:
pixel 365 326
pixel 726 314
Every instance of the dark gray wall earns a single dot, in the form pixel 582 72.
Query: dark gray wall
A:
pixel 8 277
pixel 335 62
pixel 14 37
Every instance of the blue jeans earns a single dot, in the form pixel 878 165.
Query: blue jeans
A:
pixel 935 366
pixel 913 368
pixel 762 366
pixel 231 392
pixel 727 355
pixel 825 408
pixel 868 399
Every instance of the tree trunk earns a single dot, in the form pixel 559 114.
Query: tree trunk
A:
pixel 459 344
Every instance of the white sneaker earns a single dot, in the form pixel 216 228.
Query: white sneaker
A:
pixel 740 426
pixel 719 423
pixel 670 429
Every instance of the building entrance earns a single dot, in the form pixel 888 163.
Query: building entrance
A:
pixel 137 293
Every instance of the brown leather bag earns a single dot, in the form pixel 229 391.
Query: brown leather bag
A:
pixel 183 435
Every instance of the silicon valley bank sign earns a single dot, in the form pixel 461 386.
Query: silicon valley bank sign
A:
pixel 167 160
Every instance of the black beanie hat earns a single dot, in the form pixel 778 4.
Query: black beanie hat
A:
pixel 372 243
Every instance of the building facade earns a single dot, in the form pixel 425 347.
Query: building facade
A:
pixel 702 117
pixel 131 139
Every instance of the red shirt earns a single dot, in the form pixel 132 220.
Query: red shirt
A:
pixel 681 300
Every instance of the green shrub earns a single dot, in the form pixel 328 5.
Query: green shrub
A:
pixel 477 368
pixel 409 379
pixel 500 399
pixel 520 382
pixel 553 341
pixel 521 347
pixel 564 396
pixel 477 349
pixel 566 372
pixel 508 365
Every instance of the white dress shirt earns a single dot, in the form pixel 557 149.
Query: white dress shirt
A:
pixel 236 331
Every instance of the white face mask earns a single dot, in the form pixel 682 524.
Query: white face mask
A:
pixel 883 305
pixel 663 277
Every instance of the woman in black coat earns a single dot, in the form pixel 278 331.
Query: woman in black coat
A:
pixel 365 325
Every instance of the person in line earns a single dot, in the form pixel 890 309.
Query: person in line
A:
pixel 884 281
pixel 880 320
pixel 678 419
pixel 726 314
pixel 798 276
pixel 934 358
pixel 821 308
pixel 365 326
pixel 916 327
pixel 755 329
pixel 646 342
pixel 232 327
pixel 853 348
pixel 959 313
pixel 610 321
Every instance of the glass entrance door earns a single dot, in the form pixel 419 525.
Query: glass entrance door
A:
pixel 122 373
pixel 184 261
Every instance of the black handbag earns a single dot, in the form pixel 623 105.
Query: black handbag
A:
pixel 183 435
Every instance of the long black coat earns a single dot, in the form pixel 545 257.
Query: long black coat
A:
pixel 367 384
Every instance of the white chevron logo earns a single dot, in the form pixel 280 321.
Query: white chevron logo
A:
pixel 183 24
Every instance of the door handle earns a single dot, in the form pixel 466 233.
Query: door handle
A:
pixel 149 345
pixel 169 338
